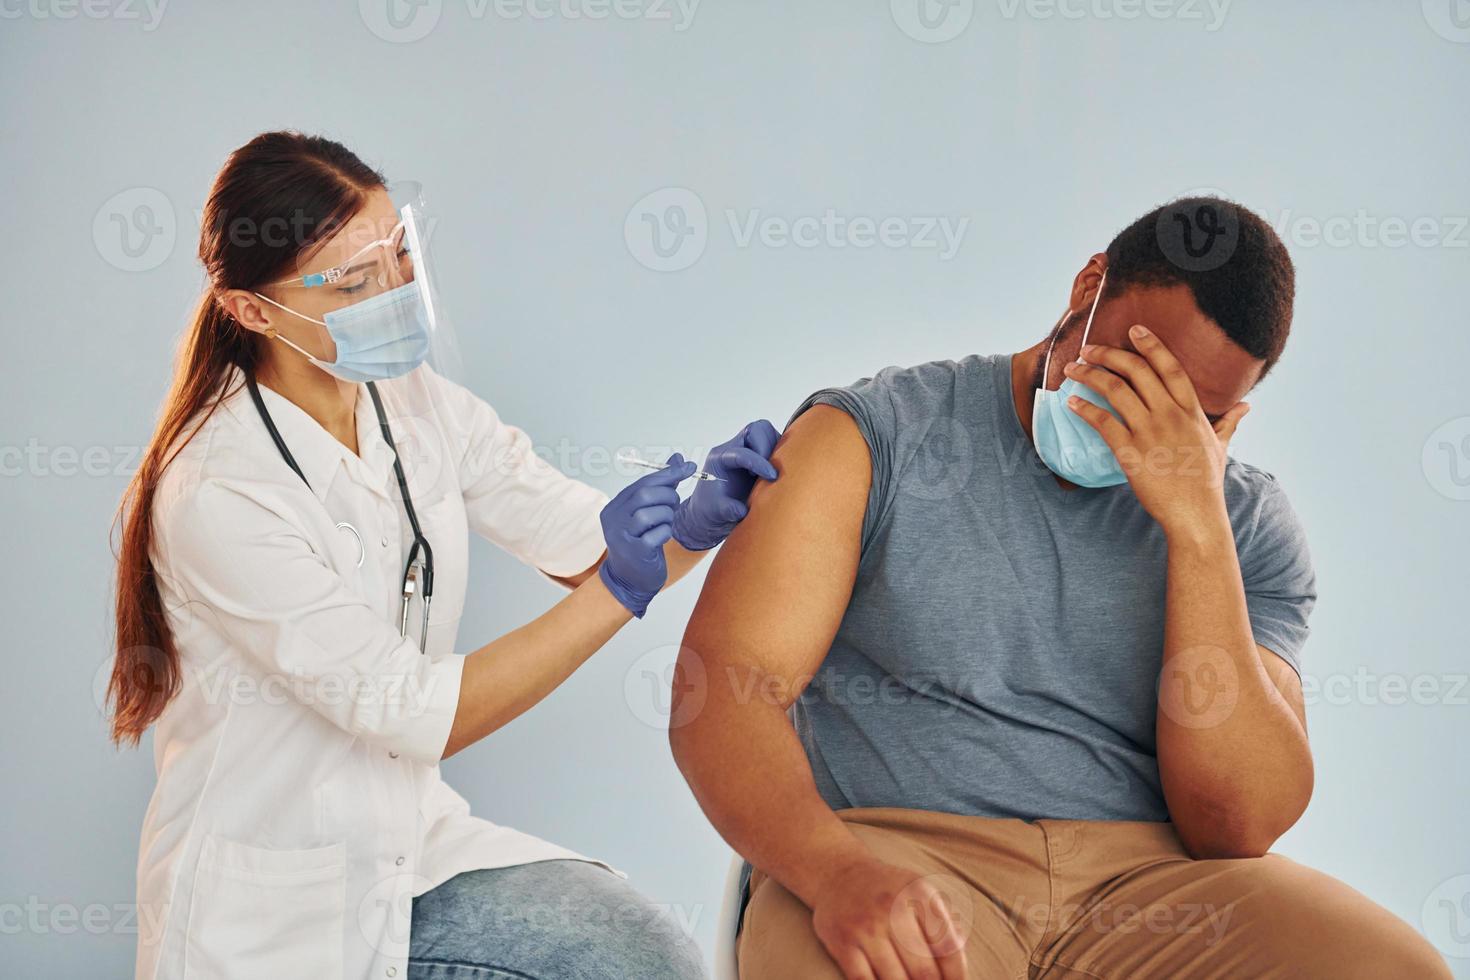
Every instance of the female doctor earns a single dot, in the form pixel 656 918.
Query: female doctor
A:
pixel 290 581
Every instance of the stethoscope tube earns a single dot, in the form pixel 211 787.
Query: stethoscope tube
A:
pixel 419 541
pixel 418 571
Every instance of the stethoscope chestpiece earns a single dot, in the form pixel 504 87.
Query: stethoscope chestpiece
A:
pixel 361 548
pixel 418 575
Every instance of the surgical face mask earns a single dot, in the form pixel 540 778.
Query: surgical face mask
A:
pixel 1066 443
pixel 384 337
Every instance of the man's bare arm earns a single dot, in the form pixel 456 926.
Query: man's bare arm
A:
pixel 1238 772
pixel 771 605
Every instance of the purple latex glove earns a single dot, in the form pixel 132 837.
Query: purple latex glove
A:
pixel 637 523
pixel 716 506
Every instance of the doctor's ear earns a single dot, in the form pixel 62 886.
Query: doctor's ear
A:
pixel 1087 282
pixel 245 308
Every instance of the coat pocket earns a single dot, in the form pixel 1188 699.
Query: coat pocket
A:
pixel 266 913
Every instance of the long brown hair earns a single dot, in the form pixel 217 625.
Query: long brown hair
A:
pixel 275 198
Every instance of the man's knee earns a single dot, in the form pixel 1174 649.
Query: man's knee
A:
pixel 1325 928
pixel 1366 947
pixel 1377 943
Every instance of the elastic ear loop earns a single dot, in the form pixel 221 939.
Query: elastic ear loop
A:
pixel 276 335
pixel 1046 368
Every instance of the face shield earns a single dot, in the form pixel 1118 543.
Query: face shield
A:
pixel 380 307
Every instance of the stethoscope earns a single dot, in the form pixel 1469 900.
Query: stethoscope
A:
pixel 418 573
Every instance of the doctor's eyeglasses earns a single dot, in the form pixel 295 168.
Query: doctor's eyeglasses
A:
pixel 375 268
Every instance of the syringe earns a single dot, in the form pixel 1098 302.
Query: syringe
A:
pixel 650 465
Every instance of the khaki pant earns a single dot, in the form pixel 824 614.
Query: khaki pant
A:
pixel 1101 900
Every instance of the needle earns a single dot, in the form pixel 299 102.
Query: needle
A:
pixel 649 465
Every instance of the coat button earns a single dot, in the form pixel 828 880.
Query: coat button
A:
pixel 392 971
pixel 392 755
pixel 385 542
pixel 399 862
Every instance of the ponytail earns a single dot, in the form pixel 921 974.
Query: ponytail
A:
pixel 145 675
pixel 277 179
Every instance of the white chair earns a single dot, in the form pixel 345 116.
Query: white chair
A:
pixel 729 921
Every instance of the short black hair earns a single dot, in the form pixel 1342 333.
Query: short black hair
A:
pixel 1233 262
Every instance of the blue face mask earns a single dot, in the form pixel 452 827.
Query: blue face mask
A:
pixel 1069 447
pixel 384 337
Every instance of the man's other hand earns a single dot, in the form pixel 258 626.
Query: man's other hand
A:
pixel 879 921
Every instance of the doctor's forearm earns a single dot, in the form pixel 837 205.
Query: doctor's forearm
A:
pixel 513 673
pixel 680 560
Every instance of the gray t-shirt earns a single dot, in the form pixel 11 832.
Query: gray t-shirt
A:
pixel 1000 655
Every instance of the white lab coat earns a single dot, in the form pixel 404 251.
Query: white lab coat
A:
pixel 299 806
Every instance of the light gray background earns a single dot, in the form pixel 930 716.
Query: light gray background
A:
pixel 537 136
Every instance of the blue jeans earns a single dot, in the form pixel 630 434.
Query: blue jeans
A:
pixel 551 920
